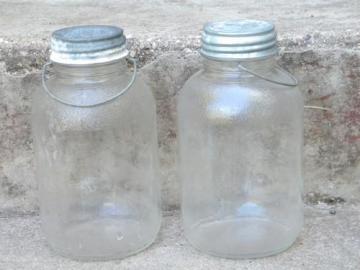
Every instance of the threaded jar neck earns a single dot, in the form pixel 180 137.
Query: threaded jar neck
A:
pixel 104 70
pixel 216 66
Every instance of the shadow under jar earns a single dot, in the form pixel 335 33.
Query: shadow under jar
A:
pixel 240 124
pixel 96 148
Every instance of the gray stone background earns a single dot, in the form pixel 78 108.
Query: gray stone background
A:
pixel 320 45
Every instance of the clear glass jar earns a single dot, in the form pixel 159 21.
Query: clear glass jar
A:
pixel 240 134
pixel 96 162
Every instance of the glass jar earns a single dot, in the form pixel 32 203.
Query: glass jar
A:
pixel 96 148
pixel 240 138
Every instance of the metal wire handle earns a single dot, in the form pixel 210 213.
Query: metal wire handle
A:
pixel 132 80
pixel 295 82
pixel 282 83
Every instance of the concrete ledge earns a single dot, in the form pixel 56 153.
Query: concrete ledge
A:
pixel 158 26
pixel 320 44
pixel 173 21
pixel 328 241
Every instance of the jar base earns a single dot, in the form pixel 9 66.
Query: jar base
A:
pixel 103 240
pixel 241 237
pixel 98 258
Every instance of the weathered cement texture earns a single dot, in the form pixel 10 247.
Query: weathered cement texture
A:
pixel 327 242
pixel 176 23
pixel 320 42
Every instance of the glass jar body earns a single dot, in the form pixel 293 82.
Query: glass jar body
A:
pixel 240 142
pixel 97 166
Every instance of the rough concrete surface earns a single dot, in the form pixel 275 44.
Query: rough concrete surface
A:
pixel 320 42
pixel 328 242
pixel 177 21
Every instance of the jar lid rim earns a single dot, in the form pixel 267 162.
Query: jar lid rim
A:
pixel 86 33
pixel 88 44
pixel 238 40
pixel 238 27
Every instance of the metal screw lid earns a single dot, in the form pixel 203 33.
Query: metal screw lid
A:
pixel 88 44
pixel 238 40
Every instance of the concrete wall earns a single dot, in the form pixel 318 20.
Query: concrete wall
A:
pixel 325 57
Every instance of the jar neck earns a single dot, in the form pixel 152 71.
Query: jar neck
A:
pixel 94 72
pixel 232 67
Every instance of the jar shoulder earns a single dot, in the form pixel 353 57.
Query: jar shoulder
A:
pixel 202 85
pixel 136 104
pixel 242 99
pixel 97 90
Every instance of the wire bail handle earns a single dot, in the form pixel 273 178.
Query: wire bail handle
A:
pixel 58 99
pixel 294 83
